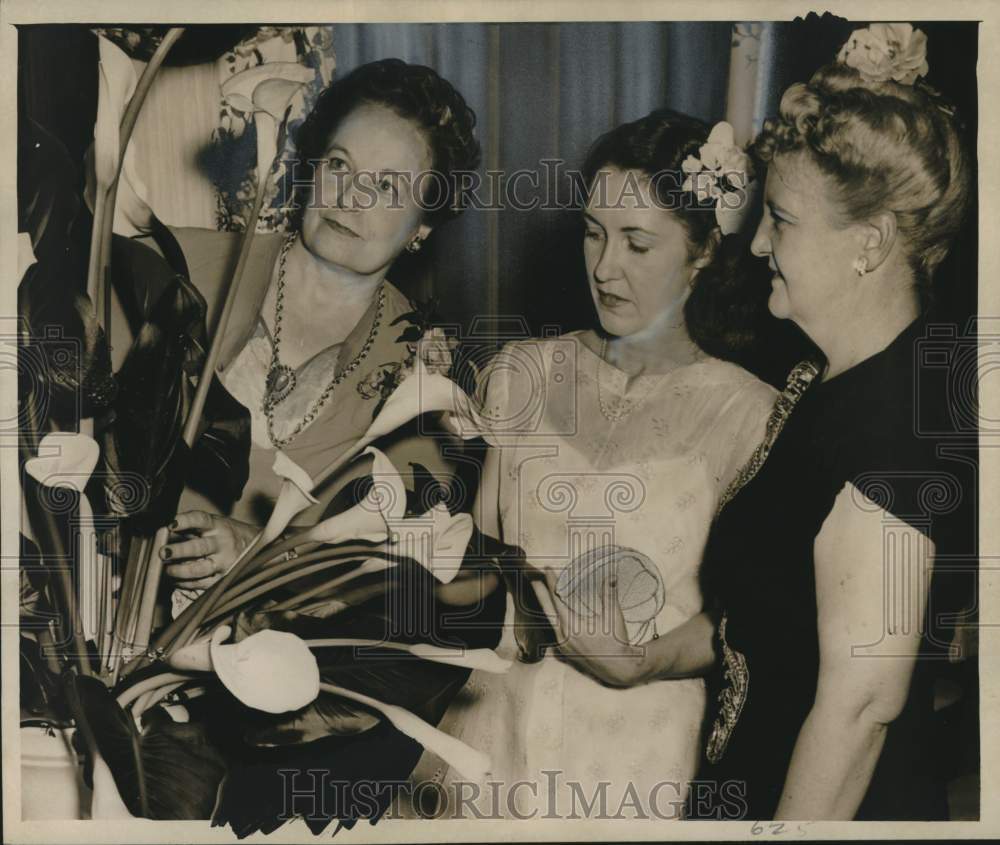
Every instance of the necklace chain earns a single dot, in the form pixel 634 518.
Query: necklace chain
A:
pixel 270 401
pixel 624 406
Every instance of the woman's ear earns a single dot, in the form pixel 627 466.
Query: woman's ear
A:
pixel 880 237
pixel 709 250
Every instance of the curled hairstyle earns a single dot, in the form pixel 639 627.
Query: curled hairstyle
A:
pixel 418 94
pixel 722 312
pixel 882 146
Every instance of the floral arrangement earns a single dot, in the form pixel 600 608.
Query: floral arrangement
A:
pixel 290 633
pixel 721 172
pixel 884 51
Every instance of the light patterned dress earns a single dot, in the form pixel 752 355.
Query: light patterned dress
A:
pixel 575 485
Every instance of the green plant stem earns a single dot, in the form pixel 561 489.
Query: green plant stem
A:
pixel 155 682
pixel 319 589
pixel 275 583
pixel 276 568
pixel 104 206
pixel 154 697
pixel 69 619
pixel 98 281
pixel 194 418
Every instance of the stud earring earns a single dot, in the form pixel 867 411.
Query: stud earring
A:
pixel 414 245
pixel 860 265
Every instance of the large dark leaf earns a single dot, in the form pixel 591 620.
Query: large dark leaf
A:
pixel 387 675
pixel 166 772
pixel 337 737
pixel 66 364
pixel 154 292
pixel 40 687
pixel 154 398
pixel 47 203
pixel 340 779
pixel 220 460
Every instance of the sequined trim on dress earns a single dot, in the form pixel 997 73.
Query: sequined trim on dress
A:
pixel 730 699
pixel 798 381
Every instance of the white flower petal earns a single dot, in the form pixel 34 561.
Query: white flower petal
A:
pixel 273 671
pixel 65 459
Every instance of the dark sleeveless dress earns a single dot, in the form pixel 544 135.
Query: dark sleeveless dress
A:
pixel 872 427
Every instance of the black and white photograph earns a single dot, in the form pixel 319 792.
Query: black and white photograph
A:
pixel 429 422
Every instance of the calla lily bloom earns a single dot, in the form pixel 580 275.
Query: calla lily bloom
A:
pixel 265 91
pixel 67 459
pixel 420 392
pixel 293 498
pixel 437 540
pixel 366 520
pixel 117 83
pixel 273 671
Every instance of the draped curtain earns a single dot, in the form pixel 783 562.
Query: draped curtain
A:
pixel 544 93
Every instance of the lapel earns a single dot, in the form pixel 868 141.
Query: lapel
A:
pixel 253 288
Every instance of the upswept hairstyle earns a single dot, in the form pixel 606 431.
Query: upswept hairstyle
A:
pixel 724 309
pixel 418 94
pixel 882 146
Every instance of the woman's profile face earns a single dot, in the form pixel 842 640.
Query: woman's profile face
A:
pixel 365 206
pixel 636 254
pixel 809 251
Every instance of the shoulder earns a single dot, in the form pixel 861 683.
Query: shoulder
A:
pixel 732 387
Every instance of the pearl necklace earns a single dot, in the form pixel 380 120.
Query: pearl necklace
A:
pixel 624 406
pixel 281 378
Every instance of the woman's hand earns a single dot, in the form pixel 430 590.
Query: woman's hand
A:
pixel 598 645
pixel 203 547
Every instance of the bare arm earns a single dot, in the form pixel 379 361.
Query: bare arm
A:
pixel 867 654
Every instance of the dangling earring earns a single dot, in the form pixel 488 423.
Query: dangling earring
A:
pixel 414 245
pixel 860 265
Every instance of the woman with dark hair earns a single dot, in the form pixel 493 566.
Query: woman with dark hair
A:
pixel 316 326
pixel 612 450
pixel 316 334
pixel 823 569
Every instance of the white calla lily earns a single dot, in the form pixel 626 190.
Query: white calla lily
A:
pixel 117 84
pixel 266 91
pixel 273 671
pixel 386 501
pixel 437 540
pixel 67 460
pixel 420 392
pixel 293 498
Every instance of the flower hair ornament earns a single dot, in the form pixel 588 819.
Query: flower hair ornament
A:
pixel 721 171
pixel 885 51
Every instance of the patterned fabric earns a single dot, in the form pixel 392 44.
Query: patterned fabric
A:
pixel 571 481
pixel 235 138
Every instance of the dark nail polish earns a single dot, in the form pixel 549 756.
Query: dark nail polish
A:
pixel 173 525
pixel 165 553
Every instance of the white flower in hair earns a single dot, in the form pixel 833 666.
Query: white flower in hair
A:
pixel 886 51
pixel 720 167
